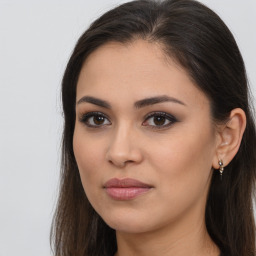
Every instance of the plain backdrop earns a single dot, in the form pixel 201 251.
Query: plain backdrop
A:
pixel 36 40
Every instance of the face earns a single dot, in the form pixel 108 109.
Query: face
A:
pixel 144 141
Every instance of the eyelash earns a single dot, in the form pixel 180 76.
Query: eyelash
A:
pixel 85 119
pixel 168 117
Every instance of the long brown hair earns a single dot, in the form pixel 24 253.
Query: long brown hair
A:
pixel 200 42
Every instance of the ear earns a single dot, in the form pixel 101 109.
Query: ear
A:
pixel 229 137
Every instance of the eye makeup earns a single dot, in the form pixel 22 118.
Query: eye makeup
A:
pixel 154 120
pixel 95 119
pixel 159 120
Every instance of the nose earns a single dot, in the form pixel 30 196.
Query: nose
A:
pixel 124 148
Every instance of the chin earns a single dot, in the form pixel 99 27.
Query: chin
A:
pixel 129 222
pixel 126 227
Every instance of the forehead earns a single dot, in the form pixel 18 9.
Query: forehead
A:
pixel 133 71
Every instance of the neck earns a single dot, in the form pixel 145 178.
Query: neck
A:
pixel 178 240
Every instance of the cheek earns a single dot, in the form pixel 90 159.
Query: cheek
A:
pixel 184 165
pixel 89 155
pixel 180 153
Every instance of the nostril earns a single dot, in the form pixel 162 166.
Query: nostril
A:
pixel 128 161
pixel 120 154
pixel 120 163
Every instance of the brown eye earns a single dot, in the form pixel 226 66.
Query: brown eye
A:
pixel 95 120
pixel 159 120
pixel 98 120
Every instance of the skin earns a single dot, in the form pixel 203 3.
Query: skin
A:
pixel 176 160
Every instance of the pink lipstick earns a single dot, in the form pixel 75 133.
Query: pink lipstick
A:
pixel 125 189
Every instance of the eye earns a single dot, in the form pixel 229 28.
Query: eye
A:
pixel 95 119
pixel 159 120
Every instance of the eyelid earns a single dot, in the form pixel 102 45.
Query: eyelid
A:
pixel 84 117
pixel 170 117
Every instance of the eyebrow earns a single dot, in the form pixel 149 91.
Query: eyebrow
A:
pixel 156 100
pixel 95 101
pixel 138 104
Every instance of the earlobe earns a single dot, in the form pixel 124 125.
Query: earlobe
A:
pixel 230 137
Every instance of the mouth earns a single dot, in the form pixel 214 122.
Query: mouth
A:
pixel 126 189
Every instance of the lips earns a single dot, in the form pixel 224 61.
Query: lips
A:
pixel 125 189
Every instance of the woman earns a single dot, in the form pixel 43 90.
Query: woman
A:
pixel 158 144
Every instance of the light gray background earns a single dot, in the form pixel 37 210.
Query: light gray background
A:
pixel 36 39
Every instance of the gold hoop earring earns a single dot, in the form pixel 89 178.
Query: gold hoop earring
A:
pixel 221 169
